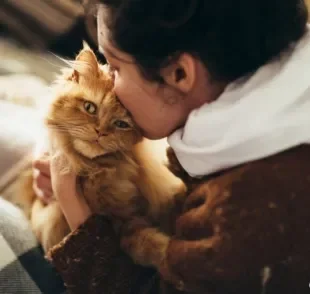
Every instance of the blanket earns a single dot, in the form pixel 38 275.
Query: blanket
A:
pixel 23 268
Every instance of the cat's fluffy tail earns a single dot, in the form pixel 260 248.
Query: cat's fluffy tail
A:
pixel 157 183
pixel 26 193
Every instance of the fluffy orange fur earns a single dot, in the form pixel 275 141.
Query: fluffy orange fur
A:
pixel 118 173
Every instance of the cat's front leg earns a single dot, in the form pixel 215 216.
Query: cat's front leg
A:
pixel 145 244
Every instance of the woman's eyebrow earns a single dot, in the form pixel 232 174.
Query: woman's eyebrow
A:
pixel 109 53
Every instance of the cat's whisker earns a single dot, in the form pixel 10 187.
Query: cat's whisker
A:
pixel 57 126
pixel 75 123
pixel 81 129
pixel 78 65
pixel 58 129
pixel 66 126
pixel 65 61
pixel 60 66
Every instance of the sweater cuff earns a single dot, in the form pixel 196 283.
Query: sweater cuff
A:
pixel 82 241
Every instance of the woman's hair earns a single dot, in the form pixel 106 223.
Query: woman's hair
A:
pixel 232 38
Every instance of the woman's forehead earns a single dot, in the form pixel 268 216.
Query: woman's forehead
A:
pixel 108 50
pixel 111 52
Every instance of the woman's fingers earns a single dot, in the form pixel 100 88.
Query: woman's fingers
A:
pixel 42 185
pixel 73 205
pixel 43 165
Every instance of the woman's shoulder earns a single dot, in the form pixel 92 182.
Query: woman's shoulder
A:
pixel 273 184
pixel 253 189
pixel 264 178
pixel 290 167
pixel 246 218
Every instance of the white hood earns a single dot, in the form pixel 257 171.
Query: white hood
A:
pixel 264 115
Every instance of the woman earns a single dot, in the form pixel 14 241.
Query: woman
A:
pixel 226 82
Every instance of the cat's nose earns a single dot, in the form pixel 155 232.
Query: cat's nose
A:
pixel 101 133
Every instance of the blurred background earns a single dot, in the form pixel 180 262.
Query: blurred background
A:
pixel 41 27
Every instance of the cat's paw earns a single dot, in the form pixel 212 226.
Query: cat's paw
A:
pixel 145 244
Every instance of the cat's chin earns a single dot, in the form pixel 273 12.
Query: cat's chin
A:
pixel 88 149
pixel 103 156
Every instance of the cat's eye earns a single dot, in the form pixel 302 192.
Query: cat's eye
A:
pixel 90 107
pixel 121 124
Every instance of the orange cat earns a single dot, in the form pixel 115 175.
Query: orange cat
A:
pixel 119 176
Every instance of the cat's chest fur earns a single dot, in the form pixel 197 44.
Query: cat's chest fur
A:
pixel 113 191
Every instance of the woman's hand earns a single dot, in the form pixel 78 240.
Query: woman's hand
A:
pixel 50 179
pixel 73 205
pixel 42 178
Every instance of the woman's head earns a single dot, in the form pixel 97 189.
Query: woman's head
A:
pixel 186 51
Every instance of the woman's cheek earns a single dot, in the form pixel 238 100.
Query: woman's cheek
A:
pixel 122 92
pixel 118 88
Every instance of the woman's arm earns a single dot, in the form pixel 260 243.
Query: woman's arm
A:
pixel 90 261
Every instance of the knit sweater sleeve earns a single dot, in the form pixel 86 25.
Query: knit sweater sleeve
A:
pixel 90 261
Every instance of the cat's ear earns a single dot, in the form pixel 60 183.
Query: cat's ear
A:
pixel 88 57
pixel 85 65
pixel 86 46
pixel 75 76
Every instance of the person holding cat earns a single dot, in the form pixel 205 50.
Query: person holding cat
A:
pixel 228 83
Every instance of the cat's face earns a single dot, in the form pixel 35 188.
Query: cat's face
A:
pixel 87 114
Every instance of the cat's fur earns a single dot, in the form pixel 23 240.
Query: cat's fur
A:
pixel 119 174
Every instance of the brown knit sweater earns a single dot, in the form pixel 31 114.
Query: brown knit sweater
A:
pixel 246 230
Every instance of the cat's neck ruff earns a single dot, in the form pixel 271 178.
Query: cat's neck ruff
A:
pixel 91 166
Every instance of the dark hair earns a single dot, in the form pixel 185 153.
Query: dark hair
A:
pixel 232 38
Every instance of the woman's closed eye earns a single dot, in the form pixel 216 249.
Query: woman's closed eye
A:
pixel 112 69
